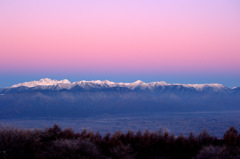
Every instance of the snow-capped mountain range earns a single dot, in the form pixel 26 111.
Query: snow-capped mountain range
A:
pixel 55 98
pixel 66 84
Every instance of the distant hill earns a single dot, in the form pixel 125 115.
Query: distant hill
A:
pixel 52 98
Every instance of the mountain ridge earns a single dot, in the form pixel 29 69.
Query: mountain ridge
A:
pixel 66 84
pixel 54 98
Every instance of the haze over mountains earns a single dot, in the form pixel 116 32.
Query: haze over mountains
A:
pixel 54 98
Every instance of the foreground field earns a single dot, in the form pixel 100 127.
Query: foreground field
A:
pixel 54 142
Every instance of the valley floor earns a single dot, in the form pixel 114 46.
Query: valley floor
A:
pixel 175 123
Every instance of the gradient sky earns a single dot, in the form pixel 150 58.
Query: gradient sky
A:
pixel 174 41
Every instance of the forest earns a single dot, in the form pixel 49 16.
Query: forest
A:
pixel 56 143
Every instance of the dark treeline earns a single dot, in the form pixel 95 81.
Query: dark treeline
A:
pixel 56 143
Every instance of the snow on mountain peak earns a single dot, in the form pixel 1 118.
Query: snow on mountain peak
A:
pixel 42 82
pixel 138 82
pixel 98 84
pixel 46 80
pixel 65 81
pixel 201 86
pixel 83 83
pixel 162 83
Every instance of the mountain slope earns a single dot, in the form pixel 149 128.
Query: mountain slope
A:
pixel 86 98
pixel 48 84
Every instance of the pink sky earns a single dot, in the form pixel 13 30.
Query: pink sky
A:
pixel 124 36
